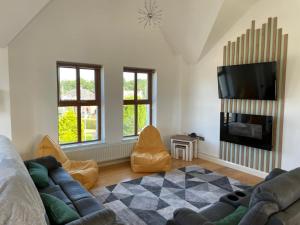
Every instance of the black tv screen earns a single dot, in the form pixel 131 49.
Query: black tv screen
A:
pixel 249 81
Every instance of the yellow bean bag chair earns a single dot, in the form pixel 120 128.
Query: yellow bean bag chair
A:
pixel 86 172
pixel 149 153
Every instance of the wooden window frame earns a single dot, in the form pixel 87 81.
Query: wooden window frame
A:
pixel 78 102
pixel 136 102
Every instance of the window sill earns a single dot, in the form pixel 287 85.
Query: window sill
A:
pixel 81 146
pixel 130 139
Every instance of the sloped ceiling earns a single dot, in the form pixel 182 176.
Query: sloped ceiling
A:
pixel 15 15
pixel 193 27
pixel 187 24
pixel 190 27
pixel 229 13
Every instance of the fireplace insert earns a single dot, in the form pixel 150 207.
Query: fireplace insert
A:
pixel 245 129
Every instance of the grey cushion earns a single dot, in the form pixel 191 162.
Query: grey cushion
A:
pixel 87 206
pixel 57 192
pixel 72 206
pixel 59 175
pixel 290 216
pixel 259 214
pixel 283 189
pixel 103 217
pixel 217 211
pixel 171 222
pixel 74 190
pixel 188 217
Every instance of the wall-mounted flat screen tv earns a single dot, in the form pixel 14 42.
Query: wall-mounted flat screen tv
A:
pixel 249 81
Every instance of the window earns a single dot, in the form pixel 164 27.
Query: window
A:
pixel 79 108
pixel 137 100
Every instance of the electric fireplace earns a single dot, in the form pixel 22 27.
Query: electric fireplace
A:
pixel 245 129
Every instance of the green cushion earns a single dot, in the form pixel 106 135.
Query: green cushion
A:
pixel 233 218
pixel 39 174
pixel 58 211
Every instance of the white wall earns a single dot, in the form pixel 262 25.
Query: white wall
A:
pixel 5 121
pixel 92 31
pixel 201 104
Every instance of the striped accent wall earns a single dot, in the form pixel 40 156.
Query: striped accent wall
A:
pixel 258 45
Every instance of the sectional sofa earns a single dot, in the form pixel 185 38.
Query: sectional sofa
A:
pixel 20 201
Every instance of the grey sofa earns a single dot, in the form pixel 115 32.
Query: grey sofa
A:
pixel 275 201
pixel 64 187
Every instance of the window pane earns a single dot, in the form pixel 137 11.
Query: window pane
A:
pixel 142 85
pixel 128 86
pixel 67 83
pixel 128 120
pixel 143 117
pixel 67 125
pixel 87 84
pixel 89 123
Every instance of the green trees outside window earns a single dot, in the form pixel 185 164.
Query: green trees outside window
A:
pixel 137 100
pixel 78 102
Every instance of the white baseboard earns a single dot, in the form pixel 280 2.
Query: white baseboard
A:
pixel 233 166
pixel 206 157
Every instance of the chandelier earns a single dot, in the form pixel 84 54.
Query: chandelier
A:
pixel 150 15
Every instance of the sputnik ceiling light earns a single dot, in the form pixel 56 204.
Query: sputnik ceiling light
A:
pixel 150 15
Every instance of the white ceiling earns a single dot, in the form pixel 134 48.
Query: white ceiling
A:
pixel 229 13
pixel 190 27
pixel 187 24
pixel 15 15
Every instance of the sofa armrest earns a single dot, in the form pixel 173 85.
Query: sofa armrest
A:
pixel 259 213
pixel 103 217
pixel 189 217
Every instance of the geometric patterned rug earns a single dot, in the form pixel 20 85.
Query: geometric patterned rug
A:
pixel 151 200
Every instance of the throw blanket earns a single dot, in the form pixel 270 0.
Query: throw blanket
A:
pixel 20 202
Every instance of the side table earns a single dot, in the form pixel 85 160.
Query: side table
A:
pixel 191 142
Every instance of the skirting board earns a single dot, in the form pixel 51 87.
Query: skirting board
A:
pixel 233 166
pixel 202 156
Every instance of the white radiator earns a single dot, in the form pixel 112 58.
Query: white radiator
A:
pixel 105 152
pixel 102 153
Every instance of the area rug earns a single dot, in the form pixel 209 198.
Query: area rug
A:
pixel 151 200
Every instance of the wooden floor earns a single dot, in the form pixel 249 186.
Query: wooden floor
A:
pixel 117 173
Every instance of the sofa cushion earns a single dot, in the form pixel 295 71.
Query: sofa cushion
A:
pixel 283 190
pixel 260 213
pixel 59 175
pixel 103 217
pixel 58 193
pixel 57 211
pixel 217 211
pixel 51 184
pixel 74 190
pixel 290 216
pixel 87 206
pixel 233 218
pixel 186 216
pixel 39 174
